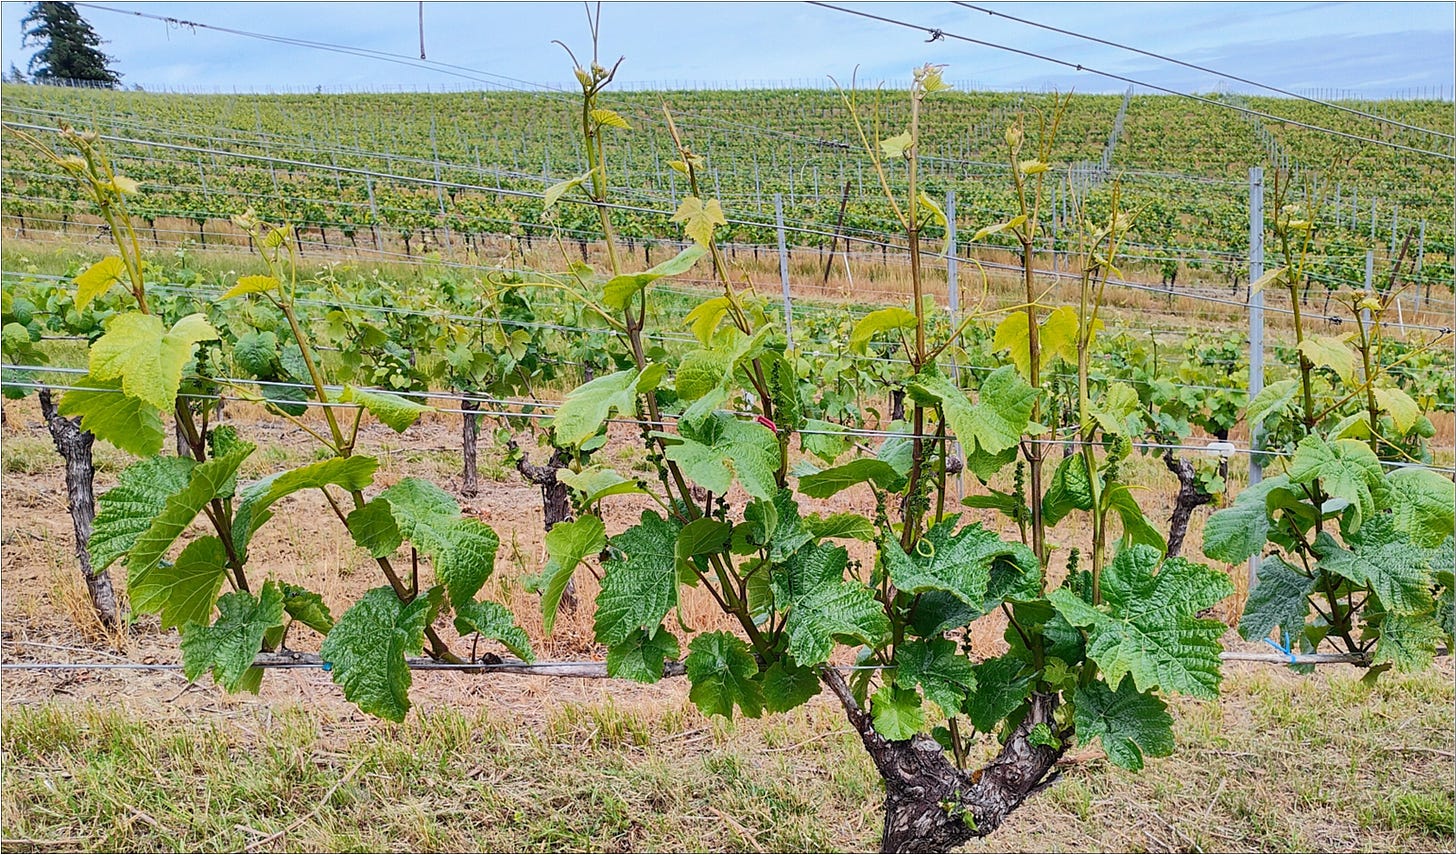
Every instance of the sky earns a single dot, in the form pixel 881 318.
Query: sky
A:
pixel 1375 49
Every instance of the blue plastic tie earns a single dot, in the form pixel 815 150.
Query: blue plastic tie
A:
pixel 1284 648
pixel 328 666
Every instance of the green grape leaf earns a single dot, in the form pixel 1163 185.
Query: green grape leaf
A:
pixel 897 712
pixel 1130 723
pixel 1057 338
pixel 959 563
pixel 184 591
pixel 997 692
pixel 373 528
pixel 146 357
pixel 126 511
pixel 1271 400
pixel 567 545
pixel 206 481
pixel 97 280
pixel 1270 277
pixel 463 549
pixel 822 485
pixel 1135 525
pixel 712 451
pixel 130 424
pixel 251 285
pixel 722 669
pixel 939 669
pixel 642 656
pixel 556 191
pixel 639 588
pixel 1324 351
pixel 396 412
pixel 256 499
pixel 494 622
pixel 1150 629
pixel 993 424
pixel 1423 505
pixel 700 372
pixel 879 322
pixel 787 685
pixel 1408 642
pixel 257 354
pixel 822 605
pixel 620 289
pixel 1345 469
pixel 699 219
pixel 846 525
pixel 595 483
pixel 307 608
pixel 1070 490
pixel 1238 532
pixel 1403 409
pixel 228 647
pixel 589 405
pixel 703 320
pixel 825 440
pixel 1118 410
pixel 1279 599
pixel 367 649
pixel 1398 571
pixel 897 145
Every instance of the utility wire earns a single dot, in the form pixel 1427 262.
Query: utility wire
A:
pixel 1206 70
pixel 933 31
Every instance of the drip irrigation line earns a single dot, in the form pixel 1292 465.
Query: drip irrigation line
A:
pixel 1206 70
pixel 940 32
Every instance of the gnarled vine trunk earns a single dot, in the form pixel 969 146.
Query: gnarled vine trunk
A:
pixel 555 500
pixel 74 446
pixel 921 782
pixel 1189 496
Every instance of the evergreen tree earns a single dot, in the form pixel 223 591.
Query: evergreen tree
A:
pixel 68 46
pixel 14 75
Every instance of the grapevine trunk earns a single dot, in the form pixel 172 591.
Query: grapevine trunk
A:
pixel 930 805
pixel 74 446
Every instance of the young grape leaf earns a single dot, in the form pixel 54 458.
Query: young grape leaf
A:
pixel 1057 338
pixel 1403 409
pixel 250 285
pixel 366 650
pixel 373 528
pixel 396 412
pixel 1130 723
pixel 939 669
pixel 595 483
pixel 126 511
pixel 589 405
pixel 620 289
pixel 1345 469
pixel 1398 571
pixel 896 146
pixel 1324 351
pixel 567 545
pixel 130 424
pixel 787 685
pixel 205 482
pixel 184 591
pixel 710 452
pixel 494 622
pixel 97 280
pixel 307 608
pixel 997 692
pixel 879 322
pixel 256 499
pixel 463 549
pixel 227 648
pixel 640 587
pixel 1279 599
pixel 722 669
pixel 957 562
pixel 897 712
pixel 1150 629
pixel 1408 642
pixel 1423 505
pixel 699 219
pixel 1239 531
pixel 822 605
pixel 146 357
pixel 556 191
pixel 1271 400
pixel 822 485
pixel 993 424
pixel 705 317
pixel 642 656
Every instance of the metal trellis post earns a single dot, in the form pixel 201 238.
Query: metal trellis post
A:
pixel 784 270
pixel 1256 329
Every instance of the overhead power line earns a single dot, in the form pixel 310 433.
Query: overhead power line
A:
pixel 1206 70
pixel 1076 66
